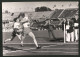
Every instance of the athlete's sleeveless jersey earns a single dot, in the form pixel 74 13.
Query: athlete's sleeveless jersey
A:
pixel 16 25
pixel 27 23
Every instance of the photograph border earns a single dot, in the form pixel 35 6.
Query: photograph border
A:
pixel 1 49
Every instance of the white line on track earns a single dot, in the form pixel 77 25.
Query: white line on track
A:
pixel 51 48
pixel 43 47
pixel 48 46
pixel 60 48
pixel 6 51
pixel 43 43
pixel 70 52
pixel 55 51
pixel 41 52
pixel 56 48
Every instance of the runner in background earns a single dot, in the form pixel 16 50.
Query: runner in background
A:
pixel 50 29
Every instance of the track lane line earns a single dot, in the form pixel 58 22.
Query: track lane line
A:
pixel 42 43
pixel 55 51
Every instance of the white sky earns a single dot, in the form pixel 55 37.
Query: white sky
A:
pixel 30 6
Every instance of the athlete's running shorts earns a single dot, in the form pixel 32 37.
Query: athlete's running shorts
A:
pixel 16 31
pixel 27 30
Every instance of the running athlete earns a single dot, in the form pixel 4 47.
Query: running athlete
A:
pixel 17 30
pixel 26 24
pixel 50 29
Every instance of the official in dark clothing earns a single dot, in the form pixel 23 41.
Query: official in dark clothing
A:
pixel 71 31
pixel 76 27
pixel 68 30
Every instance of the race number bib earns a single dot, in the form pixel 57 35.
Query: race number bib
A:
pixel 67 26
pixel 76 24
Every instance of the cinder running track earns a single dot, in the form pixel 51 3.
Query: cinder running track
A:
pixel 57 47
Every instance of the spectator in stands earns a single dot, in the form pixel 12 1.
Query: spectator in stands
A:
pixel 76 27
pixel 26 24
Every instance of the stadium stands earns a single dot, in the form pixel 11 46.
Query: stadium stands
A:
pixel 56 13
pixel 42 16
pixel 68 13
pixel 55 22
pixel 6 16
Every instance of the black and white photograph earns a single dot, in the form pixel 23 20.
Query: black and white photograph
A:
pixel 40 28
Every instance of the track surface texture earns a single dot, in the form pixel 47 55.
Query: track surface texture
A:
pixel 57 47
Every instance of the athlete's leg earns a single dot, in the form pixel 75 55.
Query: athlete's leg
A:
pixel 7 40
pixel 34 39
pixel 19 36
pixel 49 34
pixel 12 37
pixel 53 34
pixel 22 39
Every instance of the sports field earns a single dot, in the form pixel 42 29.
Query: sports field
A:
pixel 57 47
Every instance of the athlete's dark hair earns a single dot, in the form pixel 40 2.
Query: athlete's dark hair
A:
pixel 21 14
pixel 15 19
